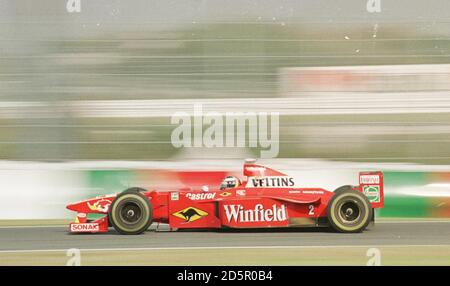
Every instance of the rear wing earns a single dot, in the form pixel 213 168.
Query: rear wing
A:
pixel 371 184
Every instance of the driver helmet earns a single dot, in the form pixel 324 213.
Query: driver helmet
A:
pixel 230 182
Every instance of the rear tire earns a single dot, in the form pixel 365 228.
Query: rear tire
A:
pixel 372 220
pixel 344 188
pixel 349 211
pixel 131 212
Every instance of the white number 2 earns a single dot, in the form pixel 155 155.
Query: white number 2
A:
pixel 311 209
pixel 73 6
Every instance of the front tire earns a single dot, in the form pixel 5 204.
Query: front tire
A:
pixel 131 213
pixel 349 211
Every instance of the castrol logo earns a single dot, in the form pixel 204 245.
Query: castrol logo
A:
pixel 200 196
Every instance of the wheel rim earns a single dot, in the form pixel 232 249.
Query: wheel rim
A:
pixel 130 213
pixel 349 211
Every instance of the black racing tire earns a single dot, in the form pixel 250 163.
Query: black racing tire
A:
pixel 349 211
pixel 131 212
pixel 344 188
pixel 129 190
pixel 134 190
pixel 372 220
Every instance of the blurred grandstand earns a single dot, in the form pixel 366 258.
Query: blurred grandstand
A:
pixel 102 84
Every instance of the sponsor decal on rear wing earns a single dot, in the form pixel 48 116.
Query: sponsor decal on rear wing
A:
pixel 369 179
pixel 371 184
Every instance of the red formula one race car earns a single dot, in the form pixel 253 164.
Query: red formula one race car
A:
pixel 266 198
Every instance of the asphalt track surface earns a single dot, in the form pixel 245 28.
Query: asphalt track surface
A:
pixel 387 233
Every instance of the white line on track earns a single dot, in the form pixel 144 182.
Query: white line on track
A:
pixel 225 247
